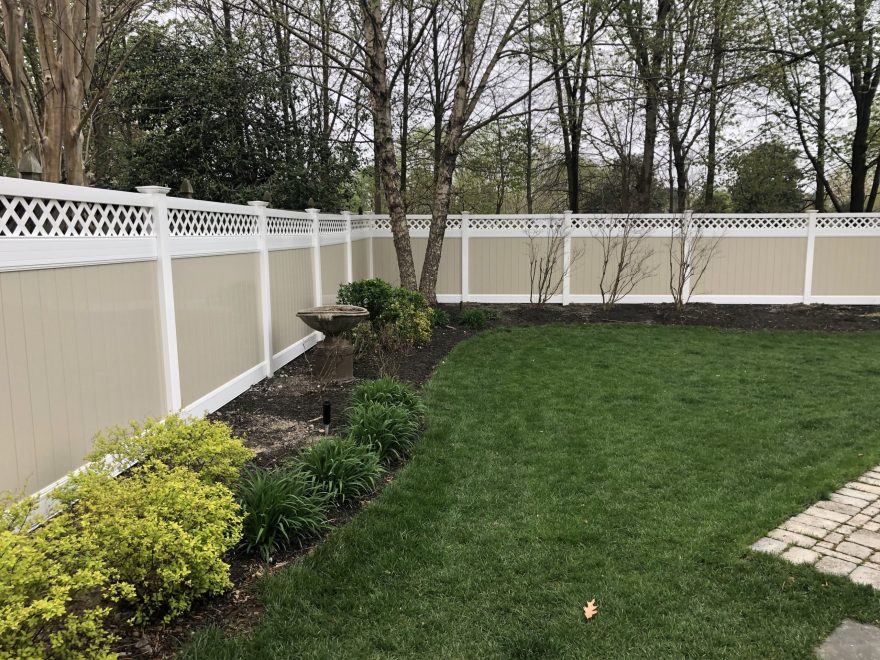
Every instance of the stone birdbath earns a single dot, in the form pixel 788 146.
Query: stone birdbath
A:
pixel 333 358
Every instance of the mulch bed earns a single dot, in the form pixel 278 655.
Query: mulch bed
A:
pixel 281 415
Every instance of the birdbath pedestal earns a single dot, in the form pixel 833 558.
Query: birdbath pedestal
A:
pixel 333 358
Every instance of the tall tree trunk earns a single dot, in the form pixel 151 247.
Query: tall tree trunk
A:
pixel 712 128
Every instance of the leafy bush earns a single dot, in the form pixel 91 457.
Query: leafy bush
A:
pixel 439 317
pixel 476 319
pixel 208 448
pixel 392 392
pixel 49 588
pixel 372 294
pixel 406 320
pixel 160 533
pixel 342 468
pixel 400 318
pixel 282 506
pixel 388 429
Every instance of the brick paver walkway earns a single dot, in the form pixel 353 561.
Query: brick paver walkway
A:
pixel 839 536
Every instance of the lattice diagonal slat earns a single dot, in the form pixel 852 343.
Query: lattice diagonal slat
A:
pixel 35 217
pixel 185 222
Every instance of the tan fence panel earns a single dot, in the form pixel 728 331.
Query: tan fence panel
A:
pixel 292 289
pixel 333 271
pixel 79 351
pixel 844 266
pixel 499 266
pixel 448 277
pixel 216 301
pixel 385 261
pixel 756 266
pixel 587 259
pixel 360 259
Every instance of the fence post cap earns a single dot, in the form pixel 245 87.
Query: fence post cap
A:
pixel 153 190
pixel 259 202
pixel 313 210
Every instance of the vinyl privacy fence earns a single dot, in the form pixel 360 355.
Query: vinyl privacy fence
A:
pixel 119 306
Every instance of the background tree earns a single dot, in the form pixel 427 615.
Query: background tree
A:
pixel 766 180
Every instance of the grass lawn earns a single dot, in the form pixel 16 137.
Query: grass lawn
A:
pixel 631 464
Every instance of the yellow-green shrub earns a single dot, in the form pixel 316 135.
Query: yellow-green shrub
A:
pixel 50 586
pixel 206 447
pixel 160 532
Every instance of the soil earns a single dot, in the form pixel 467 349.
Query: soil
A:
pixel 280 415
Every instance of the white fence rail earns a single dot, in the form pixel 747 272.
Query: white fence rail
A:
pixel 119 305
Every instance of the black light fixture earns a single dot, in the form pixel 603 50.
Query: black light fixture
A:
pixel 326 413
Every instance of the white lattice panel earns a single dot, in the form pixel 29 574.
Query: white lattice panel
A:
pixel 619 221
pixel 34 217
pixel 506 223
pixel 187 222
pixel 361 223
pixel 332 224
pixel 756 222
pixel 842 221
pixel 284 226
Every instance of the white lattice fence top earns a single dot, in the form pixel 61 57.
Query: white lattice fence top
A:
pixel 187 222
pixel 755 222
pixel 848 221
pixel 361 223
pixel 34 217
pixel 333 224
pixel 282 225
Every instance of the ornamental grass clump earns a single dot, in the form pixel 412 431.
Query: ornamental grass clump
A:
pixel 388 429
pixel 390 391
pixel 342 468
pixel 282 506
pixel 160 534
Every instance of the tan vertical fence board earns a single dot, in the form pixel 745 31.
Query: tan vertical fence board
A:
pixel 292 290
pixel 74 337
pixel 499 266
pixel 756 266
pixel 385 261
pixel 333 271
pixel 216 302
pixel 844 266
pixel 449 274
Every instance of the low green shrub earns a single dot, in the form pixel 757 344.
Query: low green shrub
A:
pixel 371 294
pixel 50 586
pixel 208 448
pixel 390 391
pixel 342 468
pixel 388 429
pixel 160 533
pixel 475 318
pixel 282 506
pixel 439 317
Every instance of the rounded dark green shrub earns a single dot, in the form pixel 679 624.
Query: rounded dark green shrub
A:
pixel 475 318
pixel 390 391
pixel 439 317
pixel 372 294
pixel 342 468
pixel 388 429
pixel 281 506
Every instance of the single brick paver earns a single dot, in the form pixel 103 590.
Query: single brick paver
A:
pixel 839 536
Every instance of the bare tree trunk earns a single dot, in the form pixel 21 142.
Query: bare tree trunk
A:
pixel 377 67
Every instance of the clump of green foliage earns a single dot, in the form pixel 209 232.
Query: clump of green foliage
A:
pixel 400 319
pixel 392 392
pixel 476 318
pixel 160 533
pixel 50 587
pixel 282 506
pixel 205 447
pixel 390 430
pixel 439 317
pixel 342 468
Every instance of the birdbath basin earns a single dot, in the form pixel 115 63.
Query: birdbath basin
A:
pixel 333 358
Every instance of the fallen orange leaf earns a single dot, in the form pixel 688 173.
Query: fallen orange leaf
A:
pixel 590 610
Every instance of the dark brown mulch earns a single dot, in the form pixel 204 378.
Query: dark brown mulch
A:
pixel 280 415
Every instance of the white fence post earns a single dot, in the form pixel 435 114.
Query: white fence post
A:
pixel 566 258
pixel 465 256
pixel 370 267
pixel 265 285
pixel 349 267
pixel 316 256
pixel 808 264
pixel 686 255
pixel 167 318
